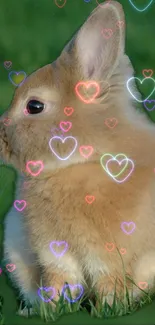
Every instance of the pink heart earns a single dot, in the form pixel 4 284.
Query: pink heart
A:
pixel 39 164
pixel 107 33
pixel 10 267
pixel 20 205
pixel 63 125
pixel 86 151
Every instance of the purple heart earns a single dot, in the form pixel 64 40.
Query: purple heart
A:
pixel 58 243
pixel 72 288
pixel 125 225
pixel 7 64
pixel 17 73
pixel 47 290
pixel 147 102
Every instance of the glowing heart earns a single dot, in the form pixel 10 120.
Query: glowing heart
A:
pixel 68 110
pixel 128 227
pixel 46 290
pixel 129 83
pixel 56 138
pixel 58 244
pixel 34 164
pixel 65 126
pixel 87 85
pixel 7 121
pixel 141 10
pixel 0 271
pixel 89 199
pixel 107 33
pixel 86 151
pixel 73 289
pixel 17 77
pixel 147 73
pixel 10 267
pixel 7 64
pixel 109 247
pixel 113 158
pixel 120 23
pixel 111 122
pixel 60 3
pixel 123 251
pixel 142 285
pixel 149 105
pixel 20 205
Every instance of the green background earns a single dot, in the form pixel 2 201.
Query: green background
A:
pixel 32 34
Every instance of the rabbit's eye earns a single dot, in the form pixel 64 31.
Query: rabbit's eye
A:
pixel 34 107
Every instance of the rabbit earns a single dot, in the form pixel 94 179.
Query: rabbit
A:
pixel 56 208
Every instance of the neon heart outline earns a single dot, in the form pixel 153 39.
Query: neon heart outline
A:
pixel 151 100
pixel 141 10
pixel 63 140
pixel 69 108
pixel 34 162
pixel 20 201
pixel 47 289
pixel 82 154
pixel 72 287
pixel 89 196
pixel 16 73
pixel 65 122
pixel 140 101
pixel 128 223
pixel 108 118
pixel 58 243
pixel 147 70
pixel 87 84
pixel 14 267
pixel 108 154
pixel 124 179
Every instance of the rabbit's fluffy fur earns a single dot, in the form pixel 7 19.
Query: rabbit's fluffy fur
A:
pixel 56 207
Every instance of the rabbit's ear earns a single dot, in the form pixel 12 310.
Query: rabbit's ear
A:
pixel 99 43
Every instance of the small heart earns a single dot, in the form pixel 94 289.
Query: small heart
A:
pixel 120 23
pixel 143 285
pixel 147 73
pixel 86 151
pixel 60 3
pixel 111 122
pixel 58 244
pixel 20 205
pixel 65 126
pixel 17 78
pixel 128 227
pixel 34 164
pixel 68 110
pixel 83 87
pixel 7 64
pixel 7 121
pixel 107 33
pixel 45 290
pixel 10 267
pixel 123 251
pixel 89 199
pixel 149 105
pixel 73 290
pixel 0 271
pixel 110 247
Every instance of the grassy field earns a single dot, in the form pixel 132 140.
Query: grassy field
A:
pixel 32 34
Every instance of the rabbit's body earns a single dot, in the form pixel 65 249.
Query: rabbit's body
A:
pixel 56 208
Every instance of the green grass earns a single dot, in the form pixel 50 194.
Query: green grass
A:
pixel 32 34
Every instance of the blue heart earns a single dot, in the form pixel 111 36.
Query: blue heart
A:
pixel 141 10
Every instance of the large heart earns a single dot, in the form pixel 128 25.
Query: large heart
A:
pixel 129 85
pixel 59 139
pixel 141 10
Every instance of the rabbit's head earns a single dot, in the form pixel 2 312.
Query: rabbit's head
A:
pixel 85 86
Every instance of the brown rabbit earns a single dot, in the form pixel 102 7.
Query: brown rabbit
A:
pixel 58 199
